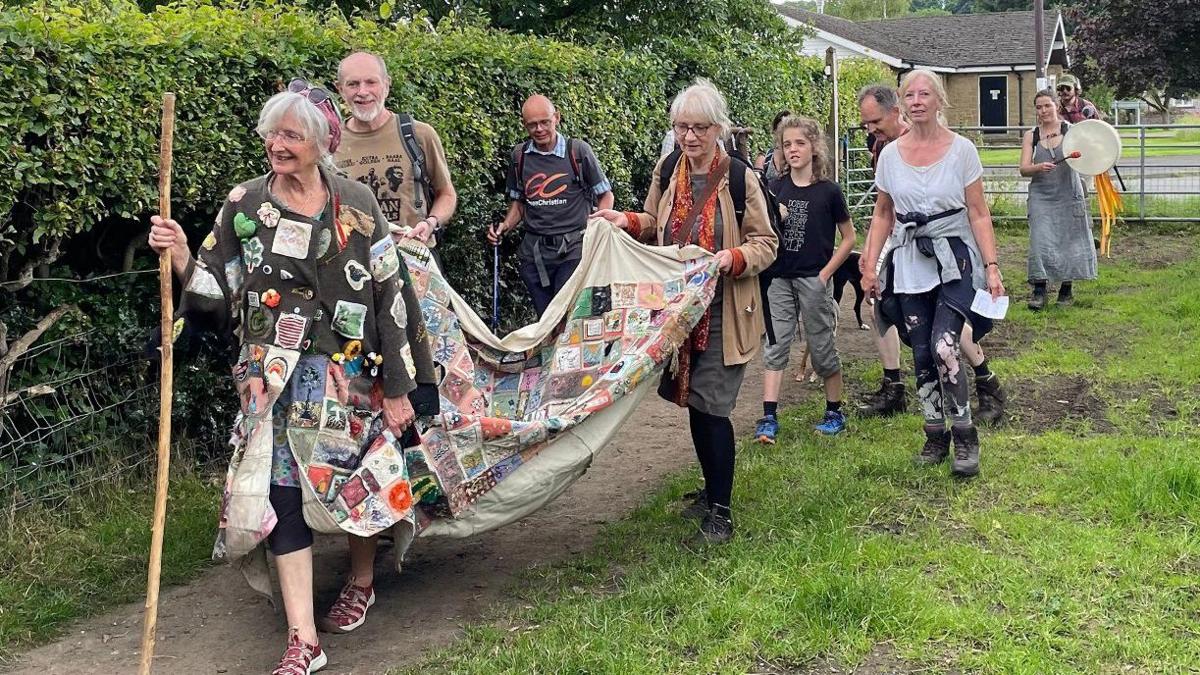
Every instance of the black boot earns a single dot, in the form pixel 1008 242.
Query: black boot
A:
pixel 716 528
pixel 937 448
pixel 1038 299
pixel 699 506
pixel 892 399
pixel 991 399
pixel 1065 299
pixel 871 397
pixel 966 452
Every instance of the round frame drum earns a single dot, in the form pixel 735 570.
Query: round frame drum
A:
pixel 1098 145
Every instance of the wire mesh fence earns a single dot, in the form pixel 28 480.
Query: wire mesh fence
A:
pixel 1158 173
pixel 74 419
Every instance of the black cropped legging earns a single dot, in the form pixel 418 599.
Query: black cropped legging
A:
pixel 934 331
pixel 713 438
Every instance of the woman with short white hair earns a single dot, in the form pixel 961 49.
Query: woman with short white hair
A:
pixel 300 268
pixel 931 205
pixel 690 202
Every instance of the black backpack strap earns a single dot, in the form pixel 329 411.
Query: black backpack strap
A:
pixel 577 169
pixel 422 190
pixel 737 187
pixel 573 156
pixel 519 160
pixel 667 169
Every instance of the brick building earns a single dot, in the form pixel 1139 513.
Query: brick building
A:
pixel 987 60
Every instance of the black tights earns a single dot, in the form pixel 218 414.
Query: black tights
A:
pixel 713 438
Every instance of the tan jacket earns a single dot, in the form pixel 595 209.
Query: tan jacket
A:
pixel 741 306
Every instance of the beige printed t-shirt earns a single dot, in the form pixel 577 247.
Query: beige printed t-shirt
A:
pixel 379 160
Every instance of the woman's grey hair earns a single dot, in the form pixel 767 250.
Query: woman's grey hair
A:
pixel 312 121
pixel 702 100
pixel 884 95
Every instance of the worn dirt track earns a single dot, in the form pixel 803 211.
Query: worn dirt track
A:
pixel 217 625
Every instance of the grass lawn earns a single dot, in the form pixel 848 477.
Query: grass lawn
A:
pixel 1077 550
pixel 61 565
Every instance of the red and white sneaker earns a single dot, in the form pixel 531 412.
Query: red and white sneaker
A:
pixel 300 658
pixel 349 611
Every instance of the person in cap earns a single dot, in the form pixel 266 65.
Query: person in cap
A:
pixel 1071 106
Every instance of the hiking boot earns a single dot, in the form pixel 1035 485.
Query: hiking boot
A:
pixel 699 506
pixel 937 448
pixel 767 430
pixel 966 452
pixel 833 424
pixel 1065 298
pixel 716 528
pixel 1037 299
pixel 893 399
pixel 991 399
pixel 300 658
pixel 871 397
pixel 349 611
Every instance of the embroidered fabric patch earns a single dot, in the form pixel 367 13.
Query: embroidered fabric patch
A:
pixel 384 260
pixel 289 331
pixel 348 319
pixel 292 238
pixel 234 276
pixel 399 311
pixel 268 214
pixel 252 253
pixel 205 284
pixel 356 274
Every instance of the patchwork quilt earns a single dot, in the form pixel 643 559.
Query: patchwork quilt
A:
pixel 521 416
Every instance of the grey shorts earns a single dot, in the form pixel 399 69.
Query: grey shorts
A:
pixel 808 300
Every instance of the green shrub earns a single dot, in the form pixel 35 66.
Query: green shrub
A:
pixel 80 92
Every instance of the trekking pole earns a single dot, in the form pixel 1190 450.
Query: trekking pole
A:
pixel 496 287
pixel 150 618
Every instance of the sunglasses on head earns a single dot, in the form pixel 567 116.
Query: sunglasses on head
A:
pixel 315 94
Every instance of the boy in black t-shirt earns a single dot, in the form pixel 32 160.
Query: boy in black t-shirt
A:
pixel 802 272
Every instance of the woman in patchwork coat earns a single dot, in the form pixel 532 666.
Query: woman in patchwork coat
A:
pixel 300 269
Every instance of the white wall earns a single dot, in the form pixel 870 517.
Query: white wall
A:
pixel 816 46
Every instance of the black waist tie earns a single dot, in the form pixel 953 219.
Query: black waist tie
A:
pixel 925 244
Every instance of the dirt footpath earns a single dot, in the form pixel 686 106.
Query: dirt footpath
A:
pixel 217 625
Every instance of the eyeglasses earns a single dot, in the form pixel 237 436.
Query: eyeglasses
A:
pixel 287 136
pixel 698 130
pixel 1065 87
pixel 315 94
pixel 533 126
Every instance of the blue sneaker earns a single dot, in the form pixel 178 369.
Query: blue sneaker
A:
pixel 767 430
pixel 833 424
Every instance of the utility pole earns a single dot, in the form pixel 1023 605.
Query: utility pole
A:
pixel 832 130
pixel 1039 33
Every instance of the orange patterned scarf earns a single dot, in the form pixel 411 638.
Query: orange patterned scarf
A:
pixel 705 235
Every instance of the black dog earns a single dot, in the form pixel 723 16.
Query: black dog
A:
pixel 849 273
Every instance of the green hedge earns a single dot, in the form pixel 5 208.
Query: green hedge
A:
pixel 80 88
pixel 81 85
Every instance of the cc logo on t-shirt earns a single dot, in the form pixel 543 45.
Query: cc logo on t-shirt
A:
pixel 541 186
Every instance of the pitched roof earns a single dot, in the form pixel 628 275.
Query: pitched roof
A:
pixel 954 41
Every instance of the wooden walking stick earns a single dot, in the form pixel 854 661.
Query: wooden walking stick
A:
pixel 166 384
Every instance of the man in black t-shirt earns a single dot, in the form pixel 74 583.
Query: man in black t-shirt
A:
pixel 553 183
pixel 801 274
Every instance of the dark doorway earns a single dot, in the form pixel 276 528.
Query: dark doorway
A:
pixel 993 101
